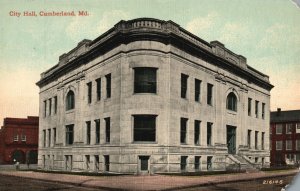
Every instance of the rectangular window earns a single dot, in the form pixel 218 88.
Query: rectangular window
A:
pixel 107 130
pixel 289 128
pixel 288 144
pixel 145 80
pixel 256 139
pixel 49 137
pixel 144 128
pixel 256 108
pixel 54 136
pixel 97 125
pixel 106 163
pixel 209 163
pixel 89 92
pixel 278 128
pixel 278 145
pixel 249 138
pixel 209 133
pixel 44 138
pixel 87 162
pixel 50 106
pixel 108 85
pixel 144 163
pixel 45 108
pixel 69 162
pixel 263 141
pixel 16 137
pixel 298 128
pixel 98 88
pixel 184 85
pixel 96 162
pixel 88 132
pixel 209 94
pixel 183 163
pixel 183 130
pixel 55 104
pixel 298 145
pixel 263 110
pixel 197 132
pixel 69 134
pixel 197 163
pixel 249 106
pixel 197 90
pixel 23 137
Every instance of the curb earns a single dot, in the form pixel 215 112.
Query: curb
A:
pixel 228 181
pixel 83 184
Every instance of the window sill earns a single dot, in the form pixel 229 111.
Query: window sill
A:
pixel 144 142
pixel 70 111
pixel 107 99
pixel 232 112
pixel 145 94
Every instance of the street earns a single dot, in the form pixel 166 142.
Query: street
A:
pixel 11 183
pixel 268 184
pixel 29 180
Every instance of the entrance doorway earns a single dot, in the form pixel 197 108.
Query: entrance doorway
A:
pixel 231 139
pixel 144 164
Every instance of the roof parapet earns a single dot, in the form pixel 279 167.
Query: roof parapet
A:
pixel 219 49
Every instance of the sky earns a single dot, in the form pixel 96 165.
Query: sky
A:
pixel 265 32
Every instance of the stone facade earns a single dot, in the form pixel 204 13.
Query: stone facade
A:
pixel 179 58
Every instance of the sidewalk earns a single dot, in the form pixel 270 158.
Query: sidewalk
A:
pixel 154 182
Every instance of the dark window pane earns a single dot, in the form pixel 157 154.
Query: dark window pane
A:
pixel 197 89
pixel 197 132
pixel 70 102
pixel 88 132
pixel 145 80
pixel 144 162
pixel 231 102
pixel 183 163
pixel 108 85
pixel 183 130
pixel 69 134
pixel 107 129
pixel 184 84
pixel 209 94
pixel 97 131
pixel 98 81
pixel 197 162
pixel 106 162
pixel 144 127
pixel 209 128
pixel 89 87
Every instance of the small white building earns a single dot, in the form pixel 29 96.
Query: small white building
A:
pixel 147 96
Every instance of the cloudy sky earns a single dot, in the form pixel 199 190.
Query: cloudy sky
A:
pixel 266 32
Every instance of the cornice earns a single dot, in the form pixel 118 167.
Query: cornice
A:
pixel 166 32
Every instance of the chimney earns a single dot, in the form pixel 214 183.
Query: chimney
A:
pixel 278 111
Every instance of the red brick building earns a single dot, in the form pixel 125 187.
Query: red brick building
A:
pixel 19 140
pixel 285 137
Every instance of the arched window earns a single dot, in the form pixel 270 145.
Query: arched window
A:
pixel 231 102
pixel 70 100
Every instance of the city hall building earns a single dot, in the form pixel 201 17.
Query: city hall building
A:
pixel 147 96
